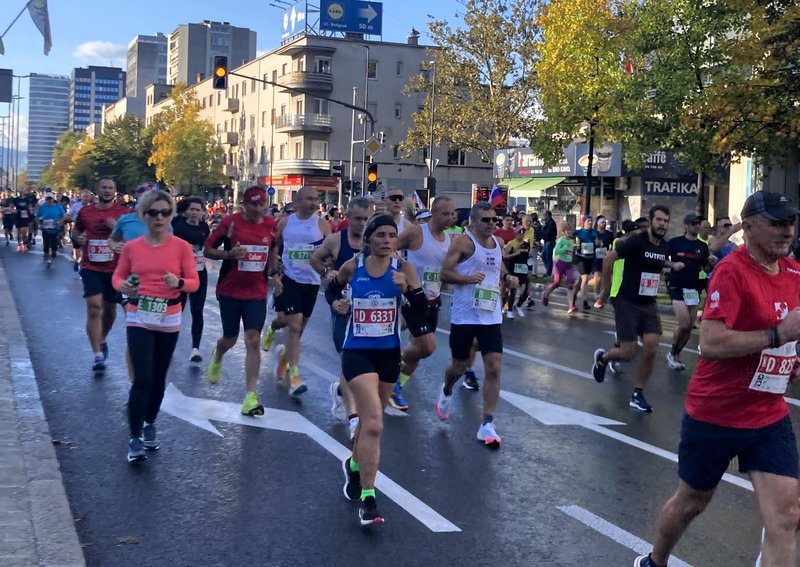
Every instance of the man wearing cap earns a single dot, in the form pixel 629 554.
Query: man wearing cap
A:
pixel 684 286
pixel 585 244
pixel 51 218
pixel 248 255
pixel 734 404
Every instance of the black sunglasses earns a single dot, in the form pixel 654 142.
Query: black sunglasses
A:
pixel 153 213
pixel 728 225
pixel 396 198
pixel 489 219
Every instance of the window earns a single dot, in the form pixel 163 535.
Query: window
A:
pixel 210 100
pixel 395 152
pixel 298 150
pixel 282 151
pixel 321 106
pixel 372 69
pixel 252 121
pixel 299 107
pixel 226 125
pixel 251 156
pixel 219 98
pixel 275 76
pixel 283 110
pixel 264 85
pixel 219 128
pixel 263 118
pixel 398 69
pixel 456 157
pixel 253 85
pixel 242 123
pixel 323 66
pixel 283 69
pixel 236 91
pixel 233 125
pixel 319 149
pixel 398 111
pixel 263 155
pixel 244 88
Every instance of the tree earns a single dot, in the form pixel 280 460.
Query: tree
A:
pixel 184 146
pixel 58 172
pixel 485 83
pixel 122 151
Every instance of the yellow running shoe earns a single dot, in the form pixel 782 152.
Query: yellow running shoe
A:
pixel 214 368
pixel 252 405
pixel 268 338
pixel 280 370
pixel 297 386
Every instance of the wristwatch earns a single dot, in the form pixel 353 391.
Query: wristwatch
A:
pixel 180 283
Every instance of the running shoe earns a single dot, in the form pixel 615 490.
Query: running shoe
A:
pixel 337 403
pixel 488 435
pixel 638 402
pixel 616 367
pixel 545 299
pixel 99 365
pixel 572 309
pixel 352 424
pixel 510 314
pixel 586 306
pixel 282 366
pixel 758 559
pixel 352 482
pixel 149 438
pixel 368 512
pixel 645 561
pixel 104 350
pixel 471 381
pixel 674 362
pixel 49 264
pixel 214 372
pixel 136 450
pixel 76 266
pixel 252 405
pixel 599 367
pixel 443 405
pixel 196 356
pixel 268 338
pixel 297 386
pixel 397 401
pixel 530 303
pixel 520 313
pixel 598 304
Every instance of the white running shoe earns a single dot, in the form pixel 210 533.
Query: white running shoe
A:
pixel 337 403
pixel 488 435
pixel 196 356
pixel 510 314
pixel 443 405
pixel 351 426
pixel 520 313
pixel 674 363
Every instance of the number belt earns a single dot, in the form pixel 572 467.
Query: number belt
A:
pixel 174 301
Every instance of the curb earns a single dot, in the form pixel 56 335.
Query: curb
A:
pixel 36 524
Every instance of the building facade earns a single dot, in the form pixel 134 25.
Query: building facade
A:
pixel 192 48
pixel 277 137
pixel 90 89
pixel 147 63
pixel 48 118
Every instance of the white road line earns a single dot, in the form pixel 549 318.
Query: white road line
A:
pixel 662 344
pixel 615 533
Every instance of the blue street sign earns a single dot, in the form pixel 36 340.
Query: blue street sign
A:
pixel 353 16
pixel 271 191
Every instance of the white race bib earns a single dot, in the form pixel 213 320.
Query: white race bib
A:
pixel 600 253
pixel 255 258
pixel 587 248
pixel 151 310
pixel 100 251
pixel 199 260
pixel 691 297
pixel 374 317
pixel 48 224
pixel 648 284
pixel 568 255
pixel 774 369
pixel 520 268
pixel 431 281
pixel 300 255
pixel 486 297
pixel 23 214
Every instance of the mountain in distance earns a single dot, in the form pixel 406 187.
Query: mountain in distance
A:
pixel 23 159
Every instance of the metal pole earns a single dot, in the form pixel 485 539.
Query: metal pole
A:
pixel 2 147
pixel 431 164
pixel 19 100
pixel 587 192
pixel 352 143
pixel 11 145
pixel 366 105
pixel 14 21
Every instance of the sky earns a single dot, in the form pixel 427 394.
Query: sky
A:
pixel 97 32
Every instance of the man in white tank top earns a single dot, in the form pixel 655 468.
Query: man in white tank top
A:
pixel 394 206
pixel 300 234
pixel 426 245
pixel 474 264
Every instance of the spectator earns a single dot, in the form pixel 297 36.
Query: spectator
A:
pixel 549 234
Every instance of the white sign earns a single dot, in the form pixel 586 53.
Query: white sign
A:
pixel 373 146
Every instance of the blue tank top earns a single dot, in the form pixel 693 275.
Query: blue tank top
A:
pixel 345 251
pixel 375 309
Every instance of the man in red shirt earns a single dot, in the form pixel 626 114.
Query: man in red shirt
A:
pixel 507 231
pixel 92 228
pixel 734 404
pixel 248 257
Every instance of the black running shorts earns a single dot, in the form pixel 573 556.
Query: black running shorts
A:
pixel 252 313
pixel 383 362
pixel 635 319
pixel 96 283
pixel 489 337
pixel 296 298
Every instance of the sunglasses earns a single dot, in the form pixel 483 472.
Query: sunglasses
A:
pixel 489 219
pixel 695 222
pixel 727 225
pixel 395 198
pixel 153 213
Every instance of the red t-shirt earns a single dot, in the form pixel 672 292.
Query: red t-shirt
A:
pixel 507 234
pixel 93 223
pixel 246 278
pixel 746 392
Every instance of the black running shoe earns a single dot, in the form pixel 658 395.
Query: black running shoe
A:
pixel 352 482
pixel 368 512
pixel 99 365
pixel 638 402
pixel 104 350
pixel 586 306
pixel 471 381
pixel 599 367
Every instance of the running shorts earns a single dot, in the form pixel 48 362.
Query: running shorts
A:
pixel 252 313
pixel 635 319
pixel 95 283
pixel 296 298
pixel 584 265
pixel 383 362
pixel 8 222
pixel 489 337
pixel 22 223
pixel 676 293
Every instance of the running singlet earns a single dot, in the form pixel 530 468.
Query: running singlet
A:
pixel 244 279
pixel 49 215
pixel 585 241
pixel 606 238
pixel 428 261
pixel 479 304
pixel 518 265
pixel 23 208
pixel 747 391
pixel 94 224
pixel 375 309
pixel 345 251
pixel 300 239
pixel 694 255
pixel 196 236
pixel 641 273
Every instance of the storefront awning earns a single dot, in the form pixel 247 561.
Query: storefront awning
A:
pixel 530 186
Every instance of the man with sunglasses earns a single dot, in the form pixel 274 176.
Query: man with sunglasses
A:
pixel 93 227
pixel 684 285
pixel 394 206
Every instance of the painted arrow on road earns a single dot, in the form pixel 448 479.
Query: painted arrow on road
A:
pixel 553 414
pixel 201 413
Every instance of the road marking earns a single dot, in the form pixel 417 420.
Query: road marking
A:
pixel 667 345
pixel 200 412
pixel 615 533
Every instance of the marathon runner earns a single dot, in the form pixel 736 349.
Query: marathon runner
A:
pixel 605 238
pixel 23 220
pixel 585 244
pixel 248 257
pixel 33 224
pixel 191 228
pixel 371 353
pixel 474 263
pixel 735 405
pixel 515 257
pixel 9 216
pixel 635 308
pixel 394 206
pixel 51 217
pixel 86 199
pixel 426 246
pixel 327 260
pixel 563 269
pixel 299 234
pixel 92 229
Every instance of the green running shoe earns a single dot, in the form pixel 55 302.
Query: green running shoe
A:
pixel 252 405
pixel 214 368
pixel 268 338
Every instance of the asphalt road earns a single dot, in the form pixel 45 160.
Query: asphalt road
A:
pixel 565 489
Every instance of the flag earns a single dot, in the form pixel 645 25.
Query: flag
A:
pixel 2 47
pixel 418 201
pixel 496 197
pixel 628 66
pixel 41 19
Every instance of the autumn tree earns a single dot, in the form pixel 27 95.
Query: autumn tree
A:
pixel 122 151
pixel 57 173
pixel 485 83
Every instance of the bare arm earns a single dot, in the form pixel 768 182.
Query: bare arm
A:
pixel 322 256
pixel 718 341
pixel 410 239
pixel 460 249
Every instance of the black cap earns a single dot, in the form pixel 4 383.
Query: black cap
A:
pixel 691 217
pixel 774 206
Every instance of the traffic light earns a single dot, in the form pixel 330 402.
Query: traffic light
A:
pixel 336 170
pixel 372 177
pixel 220 72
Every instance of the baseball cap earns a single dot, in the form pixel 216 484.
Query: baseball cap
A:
pixel 691 217
pixel 773 206
pixel 424 214
pixel 255 195
pixel 144 187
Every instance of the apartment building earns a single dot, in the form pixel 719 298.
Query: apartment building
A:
pixel 192 48
pixel 147 63
pixel 48 118
pixel 90 89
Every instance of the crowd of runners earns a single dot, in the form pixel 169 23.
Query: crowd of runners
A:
pixel 383 268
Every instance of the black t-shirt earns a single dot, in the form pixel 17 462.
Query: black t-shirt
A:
pixel 8 204
pixel 194 235
pixel 606 239
pixel 23 207
pixel 525 248
pixel 693 254
pixel 65 202
pixel 33 201
pixel 643 264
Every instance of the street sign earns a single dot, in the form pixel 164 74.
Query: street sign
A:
pixel 352 16
pixel 373 146
pixel 271 191
pixel 293 21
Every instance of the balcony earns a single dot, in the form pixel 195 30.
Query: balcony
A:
pixel 303 123
pixel 231 105
pixel 230 138
pixel 322 82
pixel 302 166
pixel 229 171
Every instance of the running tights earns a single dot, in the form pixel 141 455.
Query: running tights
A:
pixel 197 302
pixel 150 353
pixel 50 240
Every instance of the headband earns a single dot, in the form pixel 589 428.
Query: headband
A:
pixel 376 223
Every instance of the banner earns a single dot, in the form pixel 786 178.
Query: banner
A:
pixel 40 17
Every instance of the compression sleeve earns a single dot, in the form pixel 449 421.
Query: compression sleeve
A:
pixel 334 291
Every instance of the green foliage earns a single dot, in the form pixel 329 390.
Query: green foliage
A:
pixel 58 172
pixel 122 151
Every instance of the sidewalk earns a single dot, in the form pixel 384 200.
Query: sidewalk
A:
pixel 36 526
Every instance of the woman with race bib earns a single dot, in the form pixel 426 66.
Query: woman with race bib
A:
pixel 563 254
pixel 153 270
pixel 371 352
